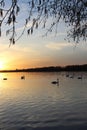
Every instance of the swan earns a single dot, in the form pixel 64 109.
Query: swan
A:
pixel 79 77
pixel 71 76
pixel 22 77
pixel 55 82
pixel 67 75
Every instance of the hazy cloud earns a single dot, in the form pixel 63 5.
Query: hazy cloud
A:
pixel 57 46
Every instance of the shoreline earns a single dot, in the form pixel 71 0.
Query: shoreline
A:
pixel 69 68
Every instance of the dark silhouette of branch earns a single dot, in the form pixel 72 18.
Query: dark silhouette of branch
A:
pixel 72 12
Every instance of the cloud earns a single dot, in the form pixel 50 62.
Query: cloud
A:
pixel 17 52
pixel 3 47
pixel 57 46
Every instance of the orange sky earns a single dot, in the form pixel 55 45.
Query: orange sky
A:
pixel 39 52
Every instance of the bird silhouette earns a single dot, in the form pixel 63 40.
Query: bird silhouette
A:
pixel 55 82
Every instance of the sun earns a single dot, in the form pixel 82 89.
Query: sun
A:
pixel 1 65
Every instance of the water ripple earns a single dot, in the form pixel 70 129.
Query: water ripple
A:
pixel 37 105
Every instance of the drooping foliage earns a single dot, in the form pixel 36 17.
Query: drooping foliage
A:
pixel 72 12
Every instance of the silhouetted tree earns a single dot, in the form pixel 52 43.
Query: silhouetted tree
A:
pixel 72 12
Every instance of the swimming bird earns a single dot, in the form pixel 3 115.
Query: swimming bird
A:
pixel 22 77
pixel 79 77
pixel 67 75
pixel 72 76
pixel 55 82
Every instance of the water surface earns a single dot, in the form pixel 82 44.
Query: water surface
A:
pixel 36 104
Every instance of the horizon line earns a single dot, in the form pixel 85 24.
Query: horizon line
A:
pixel 45 67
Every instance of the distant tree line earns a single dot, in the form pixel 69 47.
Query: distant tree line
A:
pixel 51 69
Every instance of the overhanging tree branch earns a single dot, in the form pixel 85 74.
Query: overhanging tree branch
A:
pixel 72 12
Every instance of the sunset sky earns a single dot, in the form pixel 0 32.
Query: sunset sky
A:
pixel 38 51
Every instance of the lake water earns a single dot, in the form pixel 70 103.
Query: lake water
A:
pixel 37 104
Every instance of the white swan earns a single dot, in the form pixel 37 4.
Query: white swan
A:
pixel 55 82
